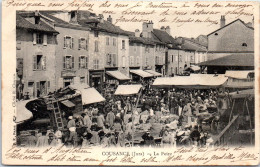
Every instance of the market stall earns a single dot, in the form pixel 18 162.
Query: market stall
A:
pixel 194 81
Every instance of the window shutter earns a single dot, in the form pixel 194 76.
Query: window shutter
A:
pixel 64 62
pixel 34 62
pixel 34 38
pixel 44 63
pixel 79 43
pixel 72 62
pixel 37 87
pixel 86 61
pixel 45 39
pixel 79 63
pixel 86 44
pixel 49 85
pixel 65 42
pixel 72 43
pixel 97 64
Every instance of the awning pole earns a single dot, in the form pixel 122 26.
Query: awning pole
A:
pixel 251 136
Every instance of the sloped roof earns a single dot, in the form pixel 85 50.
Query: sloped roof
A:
pixel 230 24
pixel 231 60
pixel 163 36
pixel 23 23
pixel 195 47
pixel 55 19
pixel 105 26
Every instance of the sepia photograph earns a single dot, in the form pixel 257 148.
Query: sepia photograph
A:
pixel 131 76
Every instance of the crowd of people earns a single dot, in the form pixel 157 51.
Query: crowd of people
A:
pixel 155 117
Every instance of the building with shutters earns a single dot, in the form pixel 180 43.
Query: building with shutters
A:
pixel 36 44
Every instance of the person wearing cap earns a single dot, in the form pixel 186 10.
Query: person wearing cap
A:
pixel 110 118
pixel 100 120
pixel 86 120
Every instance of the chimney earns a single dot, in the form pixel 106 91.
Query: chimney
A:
pixel 137 33
pixel 222 21
pixel 168 30
pixel 253 20
pixel 101 18
pixel 162 28
pixel 73 17
pixel 36 17
pixel 109 19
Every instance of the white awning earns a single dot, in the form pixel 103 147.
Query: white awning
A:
pixel 22 113
pixel 91 95
pixel 128 89
pixel 238 74
pixel 154 73
pixel 193 68
pixel 199 81
pixel 118 75
pixel 141 73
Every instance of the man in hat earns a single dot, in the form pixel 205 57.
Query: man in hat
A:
pixel 110 118
pixel 86 120
pixel 100 120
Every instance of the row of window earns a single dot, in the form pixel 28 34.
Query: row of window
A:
pixel 108 41
pixel 69 43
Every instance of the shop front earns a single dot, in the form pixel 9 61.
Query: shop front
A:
pixel 96 79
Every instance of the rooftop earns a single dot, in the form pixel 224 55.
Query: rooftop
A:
pixel 21 22
pixel 232 60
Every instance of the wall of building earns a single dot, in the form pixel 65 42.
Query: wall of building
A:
pixel 61 51
pixel 231 38
pixel 123 63
pixel 27 50
pixel 135 50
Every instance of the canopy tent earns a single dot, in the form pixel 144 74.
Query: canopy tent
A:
pixel 239 84
pixel 141 73
pixel 239 74
pixel 195 81
pixel 128 89
pixel 118 75
pixel 243 94
pixel 154 73
pixel 22 113
pixel 91 95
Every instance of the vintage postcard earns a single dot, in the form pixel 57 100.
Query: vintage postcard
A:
pixel 89 82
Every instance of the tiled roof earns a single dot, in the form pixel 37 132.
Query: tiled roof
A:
pixel 141 40
pixel 230 24
pixel 231 60
pixel 163 36
pixel 55 19
pixel 104 26
pixel 42 26
pixel 193 47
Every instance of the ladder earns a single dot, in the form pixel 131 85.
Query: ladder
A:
pixel 54 107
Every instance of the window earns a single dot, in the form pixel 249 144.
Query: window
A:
pixel 107 40
pixel 180 58
pixel 147 49
pixel 123 61
pixel 96 64
pixel 96 33
pixel 68 62
pixel 39 38
pixel 82 80
pixel 109 59
pixel 68 42
pixel 123 44
pixel 39 62
pixel 83 44
pixel 114 41
pixel 131 60
pixel 41 88
pixel 146 60
pixel 172 58
pixel 244 44
pixel 96 46
pixel 216 34
pixel 83 62
pixel 157 60
pixel 137 61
